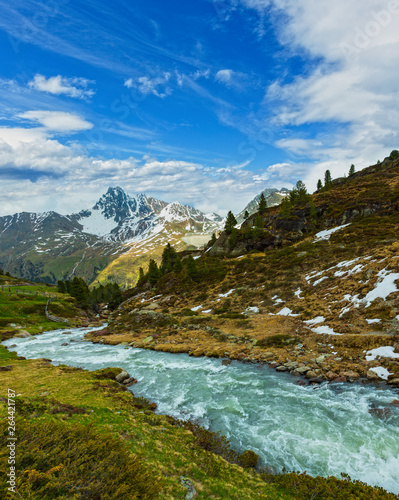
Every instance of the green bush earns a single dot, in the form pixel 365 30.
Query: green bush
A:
pixel 305 487
pixel 57 460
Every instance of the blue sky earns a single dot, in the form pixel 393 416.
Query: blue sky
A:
pixel 206 102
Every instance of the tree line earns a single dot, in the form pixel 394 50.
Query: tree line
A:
pixel 109 294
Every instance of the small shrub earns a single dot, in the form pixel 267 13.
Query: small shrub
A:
pixel 56 460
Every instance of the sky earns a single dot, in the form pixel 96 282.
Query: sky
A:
pixel 207 102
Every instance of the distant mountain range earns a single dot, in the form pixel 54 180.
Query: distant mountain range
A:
pixel 104 243
pixel 108 242
pixel 273 197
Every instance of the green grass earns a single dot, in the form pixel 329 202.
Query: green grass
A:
pixel 26 310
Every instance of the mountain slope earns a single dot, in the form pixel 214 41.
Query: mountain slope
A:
pixel 273 197
pixel 312 293
pixel 107 242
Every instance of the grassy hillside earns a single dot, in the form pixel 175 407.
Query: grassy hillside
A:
pixel 23 304
pixel 304 300
pixel 122 450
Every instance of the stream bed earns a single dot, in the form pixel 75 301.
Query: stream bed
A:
pixel 324 430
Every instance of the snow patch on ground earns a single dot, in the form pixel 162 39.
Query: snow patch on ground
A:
pixel 197 308
pixel 298 294
pixel 317 282
pixel 382 372
pixel 384 287
pixel 371 321
pixel 252 309
pixel 325 235
pixel 321 330
pixel 315 321
pixel 227 293
pixel 208 311
pixel 286 311
pixel 383 352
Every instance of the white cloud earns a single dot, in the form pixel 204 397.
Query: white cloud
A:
pixel 349 84
pixel 147 85
pixel 224 76
pixel 61 85
pixel 67 180
pixel 57 120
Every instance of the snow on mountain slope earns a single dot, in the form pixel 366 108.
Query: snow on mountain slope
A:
pixel 96 223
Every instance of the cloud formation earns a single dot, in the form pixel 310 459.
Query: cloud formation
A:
pixel 61 85
pixel 37 160
pixel 59 121
pixel 147 85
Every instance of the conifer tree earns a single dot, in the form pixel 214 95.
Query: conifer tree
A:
pixel 352 170
pixel 178 266
pixel 327 179
pixel 141 276
pixel 246 215
pixel 153 272
pixel 169 257
pixel 231 221
pixel 319 185
pixel 262 204
pixel 313 212
pixel 259 222
pixel 191 268
pixel 285 209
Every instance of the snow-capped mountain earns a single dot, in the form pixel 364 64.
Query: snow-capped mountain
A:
pixel 120 217
pixel 118 229
pixel 273 197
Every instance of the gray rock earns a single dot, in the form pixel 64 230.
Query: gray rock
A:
pixel 310 374
pixel 303 369
pixel 192 493
pixel 282 369
pixel 123 375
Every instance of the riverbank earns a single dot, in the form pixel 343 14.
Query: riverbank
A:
pixel 73 397
pixel 172 391
pixel 284 343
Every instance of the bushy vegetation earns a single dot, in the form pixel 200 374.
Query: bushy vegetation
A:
pixel 57 460
pixel 109 294
pixel 305 487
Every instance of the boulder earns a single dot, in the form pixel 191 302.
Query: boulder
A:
pixel 381 413
pixel 303 369
pixel 311 374
pixel 123 375
pixel 395 402
pixel 67 332
pixel 226 362
pixel 351 375
pixel 241 356
pixel 371 375
pixel 192 493
pixel 5 368
pixel 331 375
pixel 128 382
pixel 22 334
pixel 394 381
pixel 281 368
